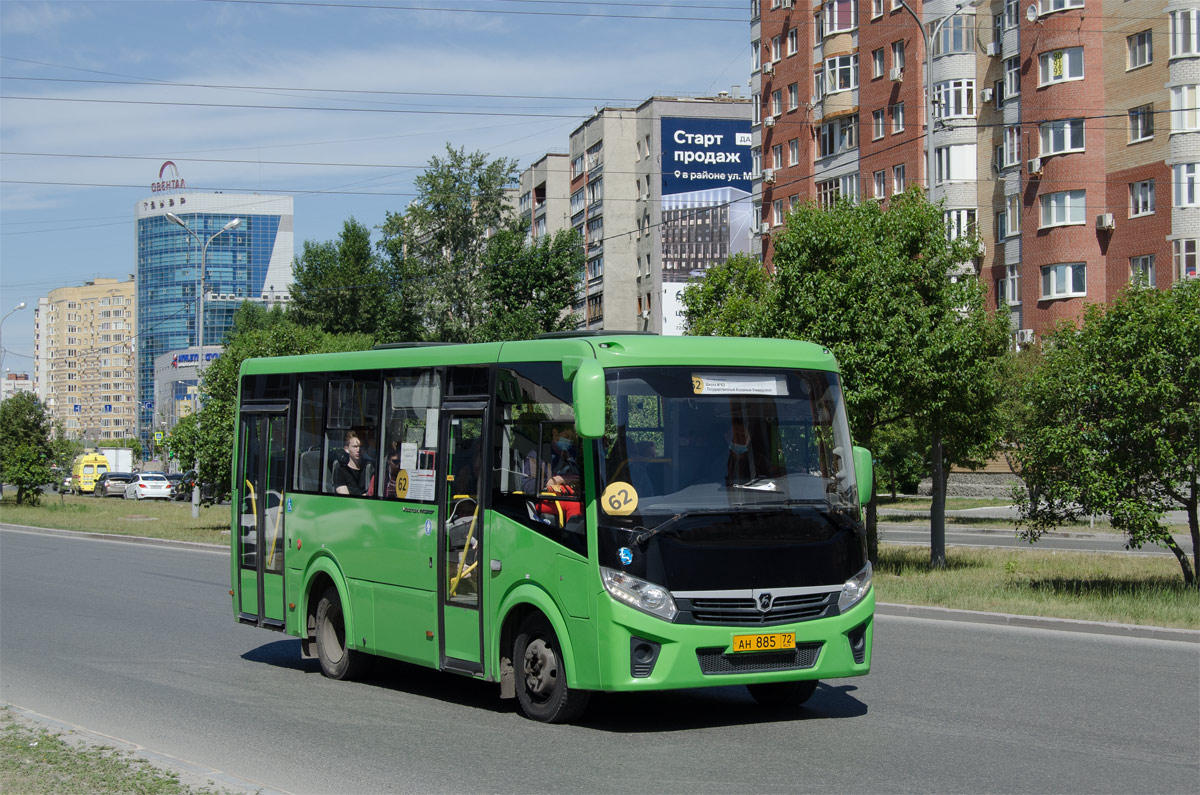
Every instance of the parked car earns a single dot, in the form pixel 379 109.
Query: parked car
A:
pixel 183 486
pixel 112 484
pixel 175 478
pixel 149 485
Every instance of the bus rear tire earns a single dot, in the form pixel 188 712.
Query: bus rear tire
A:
pixel 337 661
pixel 783 694
pixel 541 678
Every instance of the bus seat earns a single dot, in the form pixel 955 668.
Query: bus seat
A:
pixel 310 468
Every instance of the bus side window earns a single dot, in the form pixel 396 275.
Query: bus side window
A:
pixel 309 425
pixel 352 435
pixel 410 426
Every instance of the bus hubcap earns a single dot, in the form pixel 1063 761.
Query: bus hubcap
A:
pixel 539 668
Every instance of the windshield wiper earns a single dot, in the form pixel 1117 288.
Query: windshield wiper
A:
pixel 646 535
pixel 758 484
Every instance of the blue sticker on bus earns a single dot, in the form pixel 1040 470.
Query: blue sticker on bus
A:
pixel 428 526
pixel 626 555
pixel 289 510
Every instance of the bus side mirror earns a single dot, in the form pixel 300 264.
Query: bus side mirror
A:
pixel 864 474
pixel 588 391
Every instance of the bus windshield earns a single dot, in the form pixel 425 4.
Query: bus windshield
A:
pixel 698 439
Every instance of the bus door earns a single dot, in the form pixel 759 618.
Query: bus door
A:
pixel 259 497
pixel 460 531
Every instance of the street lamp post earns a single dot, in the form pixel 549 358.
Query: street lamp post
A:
pixel 16 308
pixel 926 38
pixel 175 219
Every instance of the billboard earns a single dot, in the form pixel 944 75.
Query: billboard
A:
pixel 707 213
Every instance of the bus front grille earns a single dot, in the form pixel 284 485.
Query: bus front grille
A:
pixel 744 611
pixel 715 661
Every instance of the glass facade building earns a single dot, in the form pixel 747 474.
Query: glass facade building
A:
pixel 252 262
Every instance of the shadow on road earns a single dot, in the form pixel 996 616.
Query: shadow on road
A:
pixel 622 713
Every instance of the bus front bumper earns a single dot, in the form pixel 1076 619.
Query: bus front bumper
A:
pixel 643 652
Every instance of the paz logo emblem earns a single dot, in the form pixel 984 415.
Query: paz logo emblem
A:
pixel 764 602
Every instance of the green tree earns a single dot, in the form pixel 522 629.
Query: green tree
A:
pixel 887 292
pixel 341 286
pixel 26 452
pixel 438 243
pixel 733 300
pixel 1115 420
pixel 528 287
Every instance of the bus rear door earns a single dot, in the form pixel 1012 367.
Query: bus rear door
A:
pixel 259 496
pixel 461 536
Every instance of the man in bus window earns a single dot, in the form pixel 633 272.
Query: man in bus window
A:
pixel 561 468
pixel 349 476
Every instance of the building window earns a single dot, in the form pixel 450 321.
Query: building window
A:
pixel 897 118
pixel 777 156
pixel 777 48
pixel 793 96
pixel 1059 137
pixel 878 123
pixel 877 63
pixel 756 162
pixel 954 163
pixel 1141 198
pixel 794 152
pixel 1059 66
pixel 898 178
pixel 1012 146
pixel 1065 280
pixel 1184 114
pixel 1185 185
pixel 792 42
pixel 777 216
pixel 1141 270
pixel 998 91
pixel 840 16
pixel 756 108
pixel 898 55
pixel 956 35
pixel 1185 32
pixel 1063 208
pixel 841 73
pixel 818 84
pixel 954 99
pixel 1141 123
pixel 1008 288
pixel 880 180
pixel 755 56
pixel 777 102
pixel 1012 76
pixel 876 8
pixel 839 135
pixel 959 223
pixel 829 191
pixel 1184 255
pixel 1140 49
pixel 1048 6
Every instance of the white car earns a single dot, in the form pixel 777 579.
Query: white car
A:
pixel 149 486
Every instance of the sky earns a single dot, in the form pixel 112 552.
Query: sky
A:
pixel 339 103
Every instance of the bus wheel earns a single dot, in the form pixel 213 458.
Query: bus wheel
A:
pixel 541 679
pixel 783 694
pixel 337 662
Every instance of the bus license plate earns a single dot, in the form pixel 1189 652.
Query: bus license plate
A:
pixel 776 641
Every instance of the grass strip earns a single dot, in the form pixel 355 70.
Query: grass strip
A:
pixel 151 518
pixel 1125 589
pixel 36 761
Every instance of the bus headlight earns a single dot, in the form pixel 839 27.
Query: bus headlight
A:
pixel 636 592
pixel 855 589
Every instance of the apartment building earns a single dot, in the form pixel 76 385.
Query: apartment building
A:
pixel 660 193
pixel 544 193
pixel 84 358
pixel 1064 133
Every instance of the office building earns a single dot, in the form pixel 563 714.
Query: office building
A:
pixel 85 342
pixel 14 383
pixel 251 262
pixel 1065 133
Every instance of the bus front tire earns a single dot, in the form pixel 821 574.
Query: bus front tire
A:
pixel 541 678
pixel 783 694
pixel 337 661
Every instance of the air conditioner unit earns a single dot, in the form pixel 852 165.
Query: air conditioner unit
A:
pixel 1035 167
pixel 768 68
pixel 1024 336
pixel 993 49
pixel 985 94
pixel 1105 221
pixel 765 228
pixel 769 176
pixel 896 74
pixel 769 121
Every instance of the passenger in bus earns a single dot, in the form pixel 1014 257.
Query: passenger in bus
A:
pixel 561 468
pixel 350 476
pixel 393 469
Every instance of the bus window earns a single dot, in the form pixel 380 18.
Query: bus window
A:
pixel 352 436
pixel 309 426
pixel 410 428
pixel 535 449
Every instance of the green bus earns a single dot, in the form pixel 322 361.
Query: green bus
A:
pixel 581 512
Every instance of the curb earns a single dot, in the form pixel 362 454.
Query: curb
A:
pixel 159 542
pixel 190 773
pixel 1039 622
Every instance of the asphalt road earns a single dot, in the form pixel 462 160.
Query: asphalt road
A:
pixel 138 642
